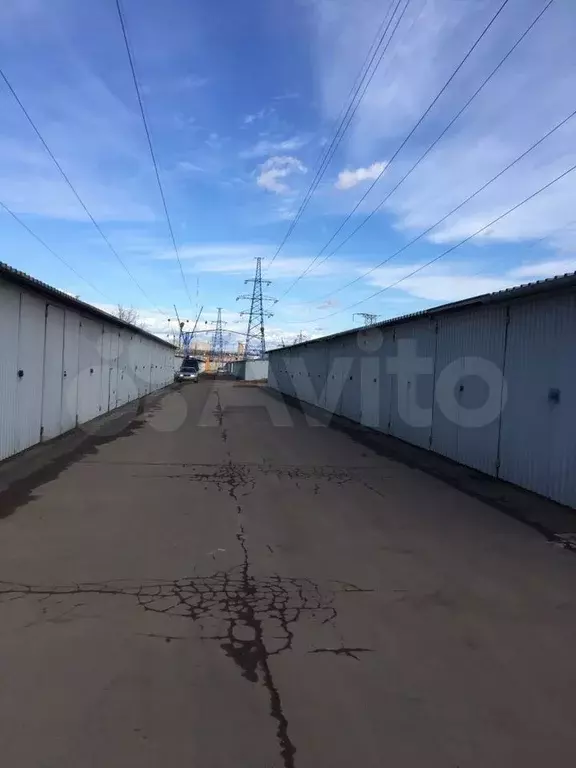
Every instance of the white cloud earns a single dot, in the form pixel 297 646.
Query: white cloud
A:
pixel 531 93
pixel 238 258
pixel 96 138
pixel 276 168
pixel 215 141
pixel 288 96
pixel 266 147
pixel 192 81
pixel 452 281
pixel 543 269
pixel 215 250
pixel 348 179
pixel 153 320
pixel 260 115
pixel 188 167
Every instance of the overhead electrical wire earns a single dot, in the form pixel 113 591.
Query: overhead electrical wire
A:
pixel 417 163
pixel 399 149
pixel 74 191
pixel 451 249
pixel 51 250
pixel 150 145
pixel 347 112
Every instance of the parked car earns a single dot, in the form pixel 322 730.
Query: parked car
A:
pixel 188 371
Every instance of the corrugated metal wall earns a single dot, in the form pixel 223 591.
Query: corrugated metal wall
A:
pixel 538 436
pixel 59 369
pixel 491 387
pixel 9 319
pixel 249 370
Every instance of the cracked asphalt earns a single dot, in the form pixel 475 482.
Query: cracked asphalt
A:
pixel 220 581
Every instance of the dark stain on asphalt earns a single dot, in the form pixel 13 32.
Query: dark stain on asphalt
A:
pixel 517 503
pixel 21 491
pixel 254 617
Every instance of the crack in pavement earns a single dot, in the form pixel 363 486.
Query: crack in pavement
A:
pixel 256 616
pixel 343 651
pixel 253 617
pixel 219 414
pixel 227 476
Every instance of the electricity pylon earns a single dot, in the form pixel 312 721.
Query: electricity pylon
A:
pixel 217 348
pixel 369 318
pixel 255 345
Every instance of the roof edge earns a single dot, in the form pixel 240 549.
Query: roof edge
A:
pixel 10 274
pixel 557 284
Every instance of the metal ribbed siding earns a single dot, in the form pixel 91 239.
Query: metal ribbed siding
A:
pixel 89 374
pixel 538 435
pixel 9 322
pixel 376 347
pixel 53 372
pixel 71 366
pixel 31 331
pixel 351 400
pixel 531 341
pixel 472 345
pixel 412 396
pixel 69 416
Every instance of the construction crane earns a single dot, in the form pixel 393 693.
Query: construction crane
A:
pixel 188 337
pixel 181 324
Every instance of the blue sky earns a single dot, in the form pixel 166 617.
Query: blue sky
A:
pixel 241 99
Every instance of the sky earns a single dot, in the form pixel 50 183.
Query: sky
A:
pixel 242 99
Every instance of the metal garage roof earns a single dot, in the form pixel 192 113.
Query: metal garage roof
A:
pixel 26 281
pixel 560 284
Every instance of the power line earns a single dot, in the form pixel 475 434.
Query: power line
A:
pixel 461 205
pixel 74 191
pixel 347 113
pixel 425 154
pixel 399 149
pixel 452 248
pixel 150 145
pixel 50 250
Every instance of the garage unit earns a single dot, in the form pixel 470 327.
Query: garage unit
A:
pixel 64 362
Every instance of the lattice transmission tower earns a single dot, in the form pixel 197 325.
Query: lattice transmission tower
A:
pixel 255 345
pixel 368 317
pixel 217 348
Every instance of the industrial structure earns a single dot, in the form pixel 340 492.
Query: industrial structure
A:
pixel 217 348
pixel 255 344
pixel 489 382
pixel 64 362
pixel 248 370
pixel 369 318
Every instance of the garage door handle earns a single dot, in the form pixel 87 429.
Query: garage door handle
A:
pixel 65 374
pixel 20 373
pixel 91 370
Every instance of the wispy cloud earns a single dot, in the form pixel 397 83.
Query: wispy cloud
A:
pixel 351 178
pixel 531 93
pixel 238 258
pixel 187 167
pixel 452 281
pixel 277 168
pixel 192 81
pixel 256 116
pixel 96 138
pixel 266 147
pixel 288 96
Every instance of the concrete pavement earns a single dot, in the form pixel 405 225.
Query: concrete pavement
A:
pixel 221 582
